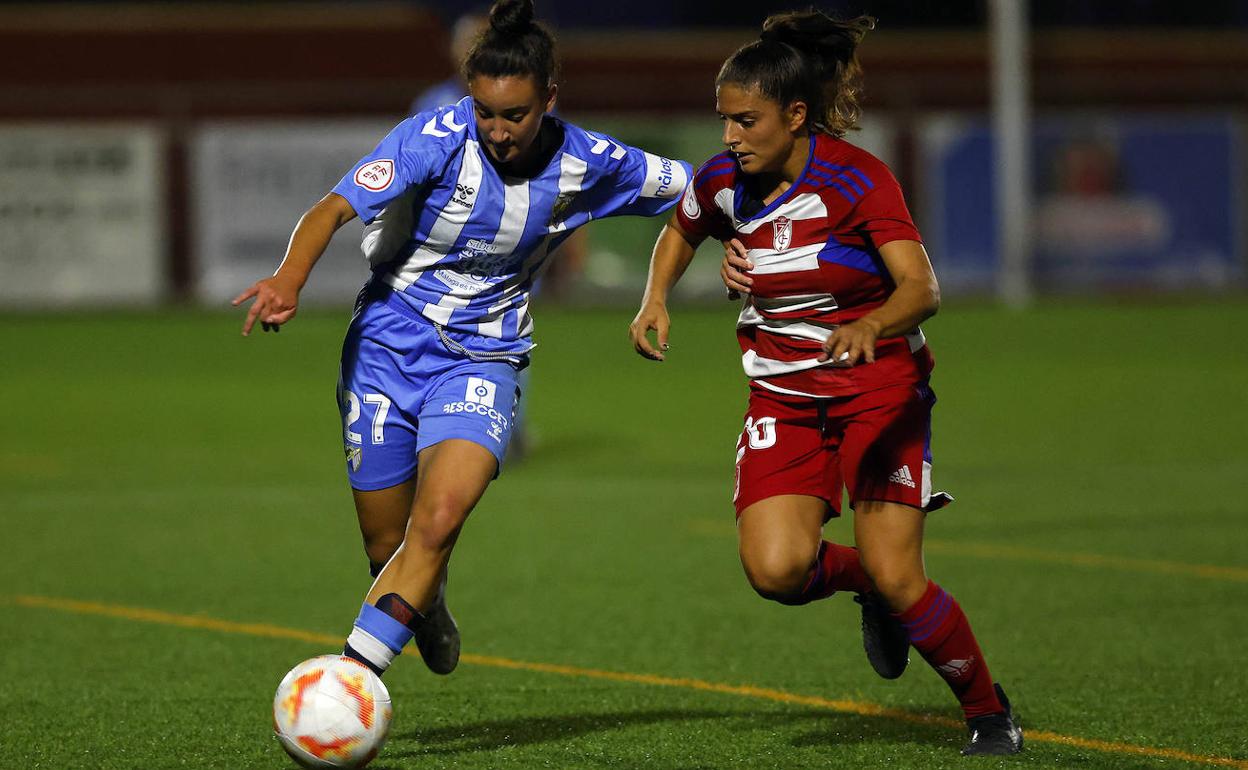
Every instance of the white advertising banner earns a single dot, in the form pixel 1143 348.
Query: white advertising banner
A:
pixel 82 218
pixel 250 183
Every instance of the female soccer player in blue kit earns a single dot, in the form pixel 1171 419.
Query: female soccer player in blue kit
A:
pixel 462 205
pixel 837 282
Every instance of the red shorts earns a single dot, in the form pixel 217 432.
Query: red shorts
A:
pixel 877 445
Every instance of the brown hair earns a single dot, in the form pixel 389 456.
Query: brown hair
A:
pixel 806 56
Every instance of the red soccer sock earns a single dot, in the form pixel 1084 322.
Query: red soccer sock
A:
pixel 836 568
pixel 941 633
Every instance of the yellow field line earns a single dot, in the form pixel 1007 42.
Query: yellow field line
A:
pixel 1022 553
pixel 861 708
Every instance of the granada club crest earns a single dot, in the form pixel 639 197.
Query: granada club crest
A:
pixel 782 231
pixel 375 176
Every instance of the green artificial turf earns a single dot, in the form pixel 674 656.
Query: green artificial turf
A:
pixel 160 461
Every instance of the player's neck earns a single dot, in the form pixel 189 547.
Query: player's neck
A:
pixel 796 163
pixel 530 164
pixel 774 184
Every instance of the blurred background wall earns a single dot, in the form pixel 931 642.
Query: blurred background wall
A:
pixel 162 152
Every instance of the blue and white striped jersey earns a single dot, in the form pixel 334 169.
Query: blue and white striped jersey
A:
pixel 462 244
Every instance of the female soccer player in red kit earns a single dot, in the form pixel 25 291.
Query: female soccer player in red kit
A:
pixel 837 282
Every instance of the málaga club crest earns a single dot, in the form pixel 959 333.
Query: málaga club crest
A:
pixel 560 207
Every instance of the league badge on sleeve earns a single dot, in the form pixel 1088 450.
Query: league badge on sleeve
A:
pixel 690 204
pixel 376 175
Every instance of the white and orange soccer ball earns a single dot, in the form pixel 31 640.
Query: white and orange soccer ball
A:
pixel 331 712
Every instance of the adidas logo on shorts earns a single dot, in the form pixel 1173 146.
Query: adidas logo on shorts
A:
pixel 902 476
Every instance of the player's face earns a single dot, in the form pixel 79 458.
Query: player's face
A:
pixel 760 132
pixel 509 113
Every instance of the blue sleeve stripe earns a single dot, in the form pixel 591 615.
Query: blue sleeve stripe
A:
pixel 702 180
pixel 852 184
pixel 834 184
pixel 716 162
pixel 847 256
pixel 850 169
pixel 847 180
pixel 709 171
pixel 842 173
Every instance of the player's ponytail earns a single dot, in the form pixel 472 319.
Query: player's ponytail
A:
pixel 513 44
pixel 806 56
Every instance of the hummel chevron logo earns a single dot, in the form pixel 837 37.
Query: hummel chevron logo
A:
pixel 601 145
pixel 448 120
pixel 902 476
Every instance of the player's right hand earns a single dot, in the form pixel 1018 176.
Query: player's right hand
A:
pixel 732 271
pixel 652 315
pixel 276 303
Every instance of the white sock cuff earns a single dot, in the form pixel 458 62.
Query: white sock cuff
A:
pixel 371 648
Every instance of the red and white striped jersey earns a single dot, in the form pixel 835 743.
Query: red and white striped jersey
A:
pixel 817 265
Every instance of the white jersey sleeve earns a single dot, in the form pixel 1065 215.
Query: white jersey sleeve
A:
pixel 630 180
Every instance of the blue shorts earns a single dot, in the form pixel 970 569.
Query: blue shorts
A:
pixel 400 390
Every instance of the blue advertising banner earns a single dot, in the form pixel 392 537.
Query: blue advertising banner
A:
pixel 1120 202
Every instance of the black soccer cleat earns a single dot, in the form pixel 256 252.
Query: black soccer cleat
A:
pixel 437 638
pixel 883 637
pixel 994 734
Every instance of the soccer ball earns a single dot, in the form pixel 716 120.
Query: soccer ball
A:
pixel 331 712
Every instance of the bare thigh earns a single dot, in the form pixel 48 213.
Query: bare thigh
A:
pixel 778 539
pixel 890 542
pixel 383 515
pixel 451 478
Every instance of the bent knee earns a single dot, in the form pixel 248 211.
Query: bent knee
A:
pixel 778 580
pixel 900 585
pixel 436 524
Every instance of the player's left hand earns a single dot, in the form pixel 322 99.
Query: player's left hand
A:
pixel 733 269
pixel 652 317
pixel 851 343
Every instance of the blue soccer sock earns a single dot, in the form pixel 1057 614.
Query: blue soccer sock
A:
pixel 381 631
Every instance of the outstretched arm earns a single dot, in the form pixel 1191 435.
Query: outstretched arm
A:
pixel 673 251
pixel 277 298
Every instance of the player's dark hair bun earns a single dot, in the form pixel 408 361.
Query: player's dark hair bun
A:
pixel 514 43
pixel 805 56
pixel 512 17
